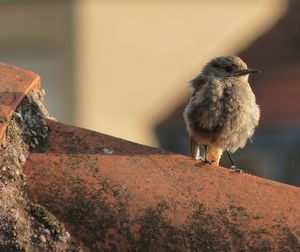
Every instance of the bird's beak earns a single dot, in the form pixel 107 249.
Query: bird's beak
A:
pixel 248 71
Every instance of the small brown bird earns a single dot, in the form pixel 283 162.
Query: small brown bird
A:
pixel 222 113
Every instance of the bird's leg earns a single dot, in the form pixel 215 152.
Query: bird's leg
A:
pixel 205 155
pixel 194 146
pixel 233 166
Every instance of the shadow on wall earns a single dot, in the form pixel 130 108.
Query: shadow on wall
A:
pixel 276 143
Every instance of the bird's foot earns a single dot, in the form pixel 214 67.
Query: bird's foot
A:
pixel 235 169
pixel 206 161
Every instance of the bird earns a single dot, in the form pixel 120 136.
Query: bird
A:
pixel 222 113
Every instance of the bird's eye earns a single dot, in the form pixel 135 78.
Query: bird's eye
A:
pixel 228 68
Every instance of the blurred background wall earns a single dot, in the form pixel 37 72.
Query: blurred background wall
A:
pixel 122 67
pixel 37 35
pixel 134 58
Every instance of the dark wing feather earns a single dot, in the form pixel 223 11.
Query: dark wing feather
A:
pixel 197 83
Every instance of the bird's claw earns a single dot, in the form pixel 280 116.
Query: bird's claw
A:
pixel 235 169
pixel 206 161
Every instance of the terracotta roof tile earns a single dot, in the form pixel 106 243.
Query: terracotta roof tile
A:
pixel 15 83
pixel 115 194
pixel 112 194
pixel 24 225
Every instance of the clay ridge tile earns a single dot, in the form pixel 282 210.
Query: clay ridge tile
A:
pixel 15 83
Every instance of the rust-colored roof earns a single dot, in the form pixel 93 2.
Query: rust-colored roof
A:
pixel 112 194
pixel 15 83
pixel 24 225
pixel 117 195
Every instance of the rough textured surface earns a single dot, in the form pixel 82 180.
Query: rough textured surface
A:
pixel 15 83
pixel 24 225
pixel 113 194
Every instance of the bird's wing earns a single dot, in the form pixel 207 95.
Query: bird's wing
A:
pixel 197 83
pixel 207 104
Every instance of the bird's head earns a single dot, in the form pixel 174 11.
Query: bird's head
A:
pixel 228 67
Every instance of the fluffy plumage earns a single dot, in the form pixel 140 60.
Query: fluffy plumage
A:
pixel 222 113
